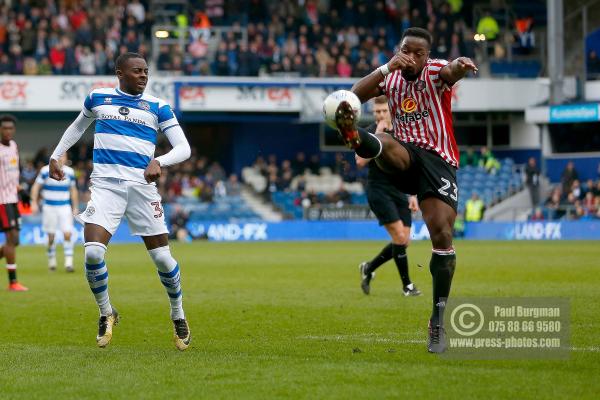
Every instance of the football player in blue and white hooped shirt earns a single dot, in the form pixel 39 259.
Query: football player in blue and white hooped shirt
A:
pixel 60 201
pixel 127 124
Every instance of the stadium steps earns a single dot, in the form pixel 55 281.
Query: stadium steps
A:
pixel 262 208
pixel 517 207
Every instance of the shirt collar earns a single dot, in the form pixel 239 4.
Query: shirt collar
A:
pixel 122 93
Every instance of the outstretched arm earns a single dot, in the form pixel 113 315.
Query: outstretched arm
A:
pixel 69 138
pixel 457 69
pixel 180 152
pixel 35 197
pixel 368 87
pixel 74 199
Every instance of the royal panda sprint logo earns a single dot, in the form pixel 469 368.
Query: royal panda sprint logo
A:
pixel 124 111
pixel 409 106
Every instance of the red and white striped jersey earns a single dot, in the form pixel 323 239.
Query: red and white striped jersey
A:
pixel 421 110
pixel 9 173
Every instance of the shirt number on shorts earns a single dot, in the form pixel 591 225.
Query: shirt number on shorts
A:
pixel 157 208
pixel 447 184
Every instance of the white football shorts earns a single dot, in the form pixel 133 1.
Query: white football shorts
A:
pixel 57 218
pixel 112 199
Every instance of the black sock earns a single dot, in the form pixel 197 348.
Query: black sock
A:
pixel 12 275
pixel 381 258
pixel 442 270
pixel 401 259
pixel 370 146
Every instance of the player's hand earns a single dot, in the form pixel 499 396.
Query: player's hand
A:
pixel 466 64
pixel 152 172
pixel 360 162
pixel 413 204
pixel 400 61
pixel 381 126
pixel 34 208
pixel 56 171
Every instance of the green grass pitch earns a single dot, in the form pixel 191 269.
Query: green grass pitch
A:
pixel 288 320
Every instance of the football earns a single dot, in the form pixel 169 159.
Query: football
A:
pixel 332 102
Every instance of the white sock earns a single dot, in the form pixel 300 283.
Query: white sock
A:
pixel 51 252
pixel 68 250
pixel 97 275
pixel 168 272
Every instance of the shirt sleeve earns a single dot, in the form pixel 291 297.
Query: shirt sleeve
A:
pixel 40 178
pixel 383 85
pixel 72 134
pixel 87 106
pixel 181 148
pixel 166 118
pixel 433 69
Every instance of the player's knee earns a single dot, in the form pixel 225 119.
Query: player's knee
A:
pixel 12 239
pixel 442 239
pixel 94 252
pixel 162 258
pixel 400 237
pixel 399 233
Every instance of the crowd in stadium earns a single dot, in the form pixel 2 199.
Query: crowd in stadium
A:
pixel 301 38
pixel 571 199
pixel 290 176
pixel 70 37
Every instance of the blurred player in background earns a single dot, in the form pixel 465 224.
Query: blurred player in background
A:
pixel 123 183
pixel 391 207
pixel 423 155
pixel 60 203
pixel 10 220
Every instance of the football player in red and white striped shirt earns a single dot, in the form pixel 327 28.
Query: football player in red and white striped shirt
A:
pixel 10 219
pixel 422 156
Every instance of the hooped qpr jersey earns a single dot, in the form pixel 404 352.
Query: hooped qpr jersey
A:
pixel 126 130
pixel 56 193
pixel 422 110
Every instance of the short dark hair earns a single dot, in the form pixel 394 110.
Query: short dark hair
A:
pixel 123 58
pixel 418 32
pixel 8 118
pixel 381 99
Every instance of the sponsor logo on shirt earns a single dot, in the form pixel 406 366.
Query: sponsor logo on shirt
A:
pixel 412 117
pixel 124 111
pixel 408 105
pixel 122 118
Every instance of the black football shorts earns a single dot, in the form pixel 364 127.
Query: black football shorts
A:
pixel 9 217
pixel 428 175
pixel 388 203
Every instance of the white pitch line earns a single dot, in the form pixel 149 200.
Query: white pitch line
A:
pixel 360 338
pixel 592 349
